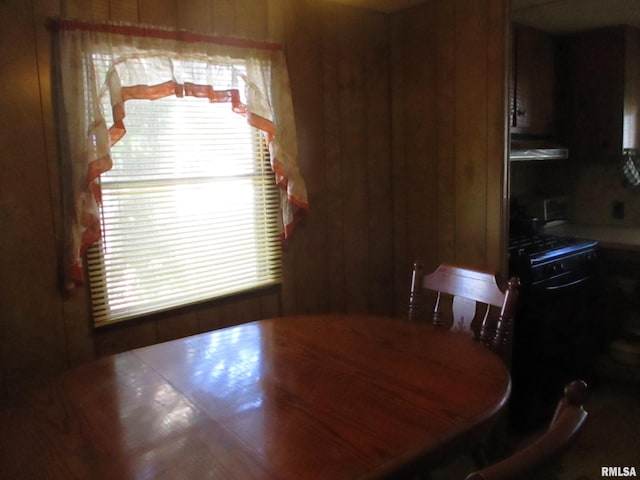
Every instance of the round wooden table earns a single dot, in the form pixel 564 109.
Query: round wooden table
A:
pixel 303 397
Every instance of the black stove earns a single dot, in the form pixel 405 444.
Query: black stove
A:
pixel 556 326
pixel 551 261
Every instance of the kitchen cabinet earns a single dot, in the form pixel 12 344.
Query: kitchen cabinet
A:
pixel 599 92
pixel 619 291
pixel 532 82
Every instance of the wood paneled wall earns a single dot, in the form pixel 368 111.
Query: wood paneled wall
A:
pixel 398 163
pixel 449 77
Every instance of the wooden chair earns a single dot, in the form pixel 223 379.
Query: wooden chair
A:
pixel 468 289
pixel 567 422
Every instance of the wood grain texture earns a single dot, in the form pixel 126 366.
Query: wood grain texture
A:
pixel 420 134
pixel 445 50
pixel 177 326
pixel 28 254
pixel 399 166
pixel 275 21
pixel 353 126
pixel 195 15
pixel 158 12
pixel 449 95
pixel 299 397
pixel 124 11
pixel 497 122
pixel 332 159
pixel 308 247
pixel 252 19
pixel 471 132
pixel 86 9
pixel 378 158
pixel 224 16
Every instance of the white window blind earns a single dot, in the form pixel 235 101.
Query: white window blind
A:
pixel 189 211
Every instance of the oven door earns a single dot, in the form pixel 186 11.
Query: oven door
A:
pixel 555 341
pixel 567 280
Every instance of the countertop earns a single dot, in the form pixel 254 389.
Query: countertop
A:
pixel 621 238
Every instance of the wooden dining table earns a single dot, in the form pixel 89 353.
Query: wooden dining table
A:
pixel 302 397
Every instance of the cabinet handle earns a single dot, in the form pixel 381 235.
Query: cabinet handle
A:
pixel 521 113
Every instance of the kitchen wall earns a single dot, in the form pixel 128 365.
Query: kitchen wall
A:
pixel 401 132
pixel 598 107
pixel 591 188
pixel 544 178
pixel 595 188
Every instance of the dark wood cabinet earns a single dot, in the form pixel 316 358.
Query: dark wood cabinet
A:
pixel 599 93
pixel 532 82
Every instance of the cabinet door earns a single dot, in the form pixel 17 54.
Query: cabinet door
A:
pixel 592 94
pixel 532 82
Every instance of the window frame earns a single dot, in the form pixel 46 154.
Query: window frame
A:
pixel 85 136
pixel 265 255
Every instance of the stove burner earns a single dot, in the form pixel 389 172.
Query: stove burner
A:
pixel 539 258
pixel 539 244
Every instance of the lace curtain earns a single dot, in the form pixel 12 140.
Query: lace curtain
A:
pixel 146 63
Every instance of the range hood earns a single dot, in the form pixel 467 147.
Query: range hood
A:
pixel 524 150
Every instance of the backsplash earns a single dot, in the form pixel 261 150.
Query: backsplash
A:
pixel 592 190
pixel 539 178
pixel 596 188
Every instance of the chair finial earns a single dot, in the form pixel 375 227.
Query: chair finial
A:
pixel 415 292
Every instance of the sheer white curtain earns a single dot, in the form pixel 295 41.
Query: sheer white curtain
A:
pixel 148 63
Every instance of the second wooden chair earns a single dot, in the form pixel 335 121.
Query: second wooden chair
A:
pixel 567 422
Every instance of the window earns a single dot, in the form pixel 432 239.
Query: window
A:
pixel 180 165
pixel 170 233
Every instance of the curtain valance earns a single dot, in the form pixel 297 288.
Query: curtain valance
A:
pixel 124 62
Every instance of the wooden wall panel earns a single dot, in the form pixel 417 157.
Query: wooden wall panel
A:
pixel 124 11
pixel 234 312
pixel 306 265
pixel 158 12
pixel 401 257
pixel 357 157
pixel 378 157
pixel 334 180
pixel 445 45
pixel 176 326
pixel 415 43
pixel 224 16
pixel 353 126
pixel 252 19
pixel 32 334
pixel 208 318
pixel 275 21
pixel 86 9
pixel 497 120
pixel 470 78
pixel 195 16
pixel 449 91
pixel 118 338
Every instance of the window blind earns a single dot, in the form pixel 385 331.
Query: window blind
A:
pixel 189 211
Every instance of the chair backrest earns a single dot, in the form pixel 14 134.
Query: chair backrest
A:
pixel 567 422
pixel 468 289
